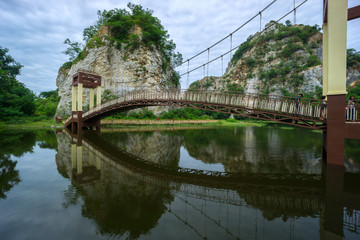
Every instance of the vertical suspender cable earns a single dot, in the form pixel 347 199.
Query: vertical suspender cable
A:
pixel 208 62
pixel 188 75
pixel 222 68
pixel 230 46
pixel 260 14
pixel 294 13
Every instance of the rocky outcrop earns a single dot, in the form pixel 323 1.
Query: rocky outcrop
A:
pixel 282 60
pixel 120 68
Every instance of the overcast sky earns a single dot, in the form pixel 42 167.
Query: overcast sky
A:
pixel 34 30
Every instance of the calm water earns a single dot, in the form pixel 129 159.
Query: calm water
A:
pixel 261 183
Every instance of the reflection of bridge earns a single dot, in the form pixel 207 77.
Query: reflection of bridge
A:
pixel 294 195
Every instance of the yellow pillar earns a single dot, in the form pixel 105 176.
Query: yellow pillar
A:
pixel 98 96
pixel 91 100
pixel 73 156
pixel 79 159
pixel 325 59
pixel 336 46
pixel 79 97
pixel 73 104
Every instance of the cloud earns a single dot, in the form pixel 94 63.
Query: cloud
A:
pixel 34 31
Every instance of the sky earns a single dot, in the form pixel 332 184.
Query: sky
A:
pixel 34 30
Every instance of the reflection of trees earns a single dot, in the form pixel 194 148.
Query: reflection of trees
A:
pixel 131 210
pixel 256 149
pixel 9 177
pixel 18 142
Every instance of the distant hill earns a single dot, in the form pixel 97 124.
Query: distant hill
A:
pixel 283 60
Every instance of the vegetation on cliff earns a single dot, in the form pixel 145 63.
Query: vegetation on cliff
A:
pixel 284 59
pixel 129 30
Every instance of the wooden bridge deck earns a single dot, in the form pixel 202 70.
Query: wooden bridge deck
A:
pixel 265 107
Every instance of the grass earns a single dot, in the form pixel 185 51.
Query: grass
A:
pixel 50 123
pixel 28 124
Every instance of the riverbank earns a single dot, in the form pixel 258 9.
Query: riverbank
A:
pixel 48 124
pixel 136 123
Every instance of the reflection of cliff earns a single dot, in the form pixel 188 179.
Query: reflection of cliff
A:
pixel 156 147
pixel 121 202
pixel 257 149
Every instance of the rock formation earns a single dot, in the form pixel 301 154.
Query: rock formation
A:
pixel 282 60
pixel 121 69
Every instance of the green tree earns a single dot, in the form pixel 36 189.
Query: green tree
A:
pixel 73 50
pixel 15 99
pixel 46 104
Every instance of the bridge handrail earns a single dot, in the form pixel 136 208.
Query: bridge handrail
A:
pixel 310 107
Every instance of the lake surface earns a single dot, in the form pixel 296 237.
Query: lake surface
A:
pixel 196 183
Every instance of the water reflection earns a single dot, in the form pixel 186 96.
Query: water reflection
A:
pixel 128 197
pixel 239 149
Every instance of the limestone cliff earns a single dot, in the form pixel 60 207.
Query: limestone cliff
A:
pixel 282 60
pixel 120 70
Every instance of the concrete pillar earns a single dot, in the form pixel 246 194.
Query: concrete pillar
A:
pixel 73 103
pixel 79 97
pixel 336 46
pixel 91 100
pixel 73 156
pixel 325 59
pixel 98 96
pixel 336 80
pixel 79 159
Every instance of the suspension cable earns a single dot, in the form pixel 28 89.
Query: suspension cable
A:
pixel 269 26
pixel 196 55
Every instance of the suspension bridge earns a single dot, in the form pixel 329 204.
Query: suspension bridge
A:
pixel 308 113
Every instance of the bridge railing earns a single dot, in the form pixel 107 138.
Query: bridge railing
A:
pixel 310 108
pixel 352 113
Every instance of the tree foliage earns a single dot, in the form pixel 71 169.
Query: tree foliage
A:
pixel 123 23
pixel 46 104
pixel 15 99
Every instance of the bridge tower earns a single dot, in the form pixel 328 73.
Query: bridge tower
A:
pixel 80 81
pixel 336 15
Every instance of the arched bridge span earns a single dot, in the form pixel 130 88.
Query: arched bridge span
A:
pixel 265 107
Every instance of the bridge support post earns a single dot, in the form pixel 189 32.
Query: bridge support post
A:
pixel 98 95
pixel 334 80
pixel 83 80
pixel 79 106
pixel 91 100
